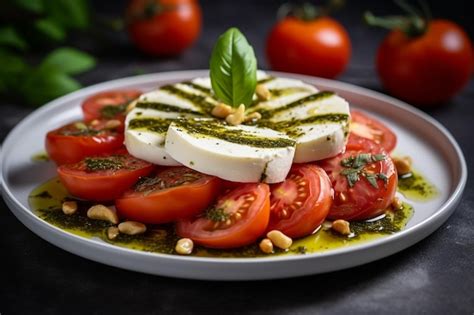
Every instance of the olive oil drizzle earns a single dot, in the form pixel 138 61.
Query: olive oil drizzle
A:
pixel 46 201
pixel 217 129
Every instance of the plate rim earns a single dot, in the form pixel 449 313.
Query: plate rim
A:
pixel 433 221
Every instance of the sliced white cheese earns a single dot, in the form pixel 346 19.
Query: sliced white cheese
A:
pixel 319 125
pixel 217 150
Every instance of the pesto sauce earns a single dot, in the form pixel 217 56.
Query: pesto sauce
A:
pixel 198 100
pixel 310 98
pixel 197 87
pixel 266 80
pixel 40 157
pixel 46 201
pixel 150 124
pixel 415 187
pixel 218 130
pixel 166 108
pixel 287 91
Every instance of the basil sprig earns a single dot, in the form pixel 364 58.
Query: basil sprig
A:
pixel 233 69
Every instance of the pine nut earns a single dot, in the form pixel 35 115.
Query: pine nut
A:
pixel 262 92
pixel 402 164
pixel 132 228
pixel 69 207
pixel 397 204
pixel 101 212
pixel 184 246
pixel 342 227
pixel 112 232
pixel 253 117
pixel 279 239
pixel 222 110
pixel 266 246
pixel 112 124
pixel 237 117
pixel 131 106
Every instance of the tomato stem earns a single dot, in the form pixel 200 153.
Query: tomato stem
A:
pixel 413 24
pixel 308 11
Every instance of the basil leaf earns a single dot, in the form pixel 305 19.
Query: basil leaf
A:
pixel 69 13
pixel 35 6
pixel 46 83
pixel 51 29
pixel 69 60
pixel 10 37
pixel 233 69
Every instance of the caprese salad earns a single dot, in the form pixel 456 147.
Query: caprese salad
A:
pixel 233 159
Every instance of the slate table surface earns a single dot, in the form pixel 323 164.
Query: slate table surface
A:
pixel 435 276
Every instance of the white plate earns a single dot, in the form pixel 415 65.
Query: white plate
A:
pixel 436 154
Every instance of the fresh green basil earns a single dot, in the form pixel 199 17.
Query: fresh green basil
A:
pixel 233 69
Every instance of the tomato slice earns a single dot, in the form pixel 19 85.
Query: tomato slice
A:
pixel 370 128
pixel 171 194
pixel 301 203
pixel 101 178
pixel 238 218
pixel 73 142
pixel 108 105
pixel 364 179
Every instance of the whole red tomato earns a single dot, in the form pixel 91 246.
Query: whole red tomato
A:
pixel 163 27
pixel 319 47
pixel 427 69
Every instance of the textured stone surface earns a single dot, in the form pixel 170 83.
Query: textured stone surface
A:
pixel 433 276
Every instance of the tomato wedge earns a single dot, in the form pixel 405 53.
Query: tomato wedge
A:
pixel 108 105
pixel 364 179
pixel 370 128
pixel 238 218
pixel 102 178
pixel 301 203
pixel 171 194
pixel 73 142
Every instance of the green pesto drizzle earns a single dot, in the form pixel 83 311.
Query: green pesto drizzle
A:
pixel 197 100
pixel 150 124
pixel 310 98
pixel 166 108
pixel 287 91
pixel 266 80
pixel 197 87
pixel 290 127
pixel 216 129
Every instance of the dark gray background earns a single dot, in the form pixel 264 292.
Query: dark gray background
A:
pixel 434 276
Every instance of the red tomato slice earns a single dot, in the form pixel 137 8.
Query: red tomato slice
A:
pixel 301 203
pixel 73 142
pixel 108 105
pixel 172 194
pixel 238 218
pixel 365 194
pixel 103 178
pixel 368 127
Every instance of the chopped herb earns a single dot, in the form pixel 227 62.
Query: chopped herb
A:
pixel 111 163
pixel 354 168
pixel 216 214
pixel 110 111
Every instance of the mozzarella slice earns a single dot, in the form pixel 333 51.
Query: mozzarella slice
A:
pixel 236 153
pixel 318 122
pixel 147 123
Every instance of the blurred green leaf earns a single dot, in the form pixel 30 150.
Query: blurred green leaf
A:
pixel 35 6
pixel 11 63
pixel 70 13
pixel 11 72
pixel 68 60
pixel 10 37
pixel 46 83
pixel 51 29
